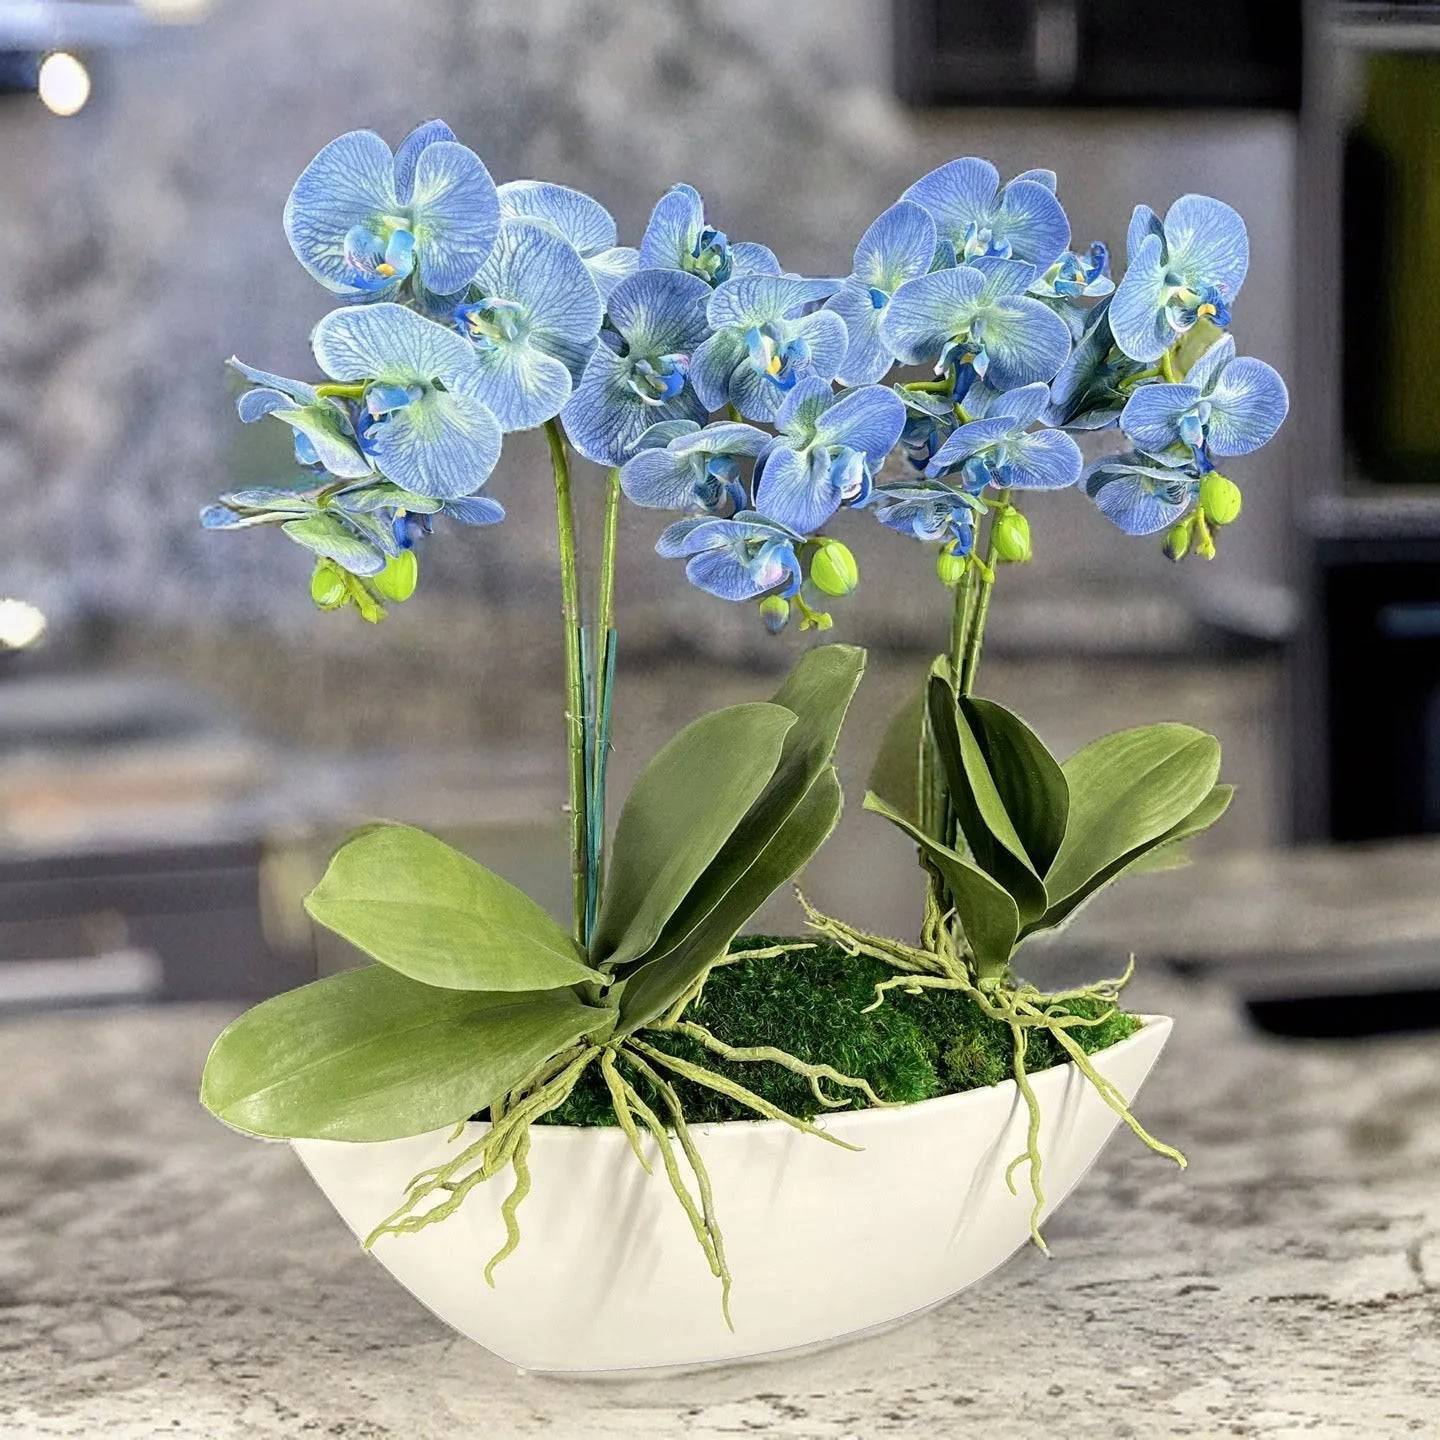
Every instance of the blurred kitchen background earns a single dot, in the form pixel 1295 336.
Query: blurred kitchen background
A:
pixel 183 737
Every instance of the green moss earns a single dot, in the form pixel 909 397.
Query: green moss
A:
pixel 810 1003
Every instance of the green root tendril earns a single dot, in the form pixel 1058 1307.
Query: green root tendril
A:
pixel 759 1053
pixel 712 1080
pixel 716 1251
pixel 511 1204
pixel 1021 1006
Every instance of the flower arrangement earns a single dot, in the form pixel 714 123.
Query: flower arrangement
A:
pixel 756 404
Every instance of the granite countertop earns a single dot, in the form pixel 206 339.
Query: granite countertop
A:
pixel 160 1275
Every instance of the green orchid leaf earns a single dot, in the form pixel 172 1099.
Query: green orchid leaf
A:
pixel 422 908
pixel 985 823
pixel 1126 791
pixel 1031 784
pixel 371 1055
pixel 1165 853
pixel 895 775
pixel 653 988
pixel 987 911
pixel 683 808
pixel 753 861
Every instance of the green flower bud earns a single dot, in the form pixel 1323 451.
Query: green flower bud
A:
pixel 1177 541
pixel 833 570
pixel 397 580
pixel 775 613
pixel 327 585
pixel 1011 537
pixel 1220 499
pixel 950 567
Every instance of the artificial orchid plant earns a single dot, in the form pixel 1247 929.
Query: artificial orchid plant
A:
pixel 707 381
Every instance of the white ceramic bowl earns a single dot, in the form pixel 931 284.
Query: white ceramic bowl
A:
pixel 824 1243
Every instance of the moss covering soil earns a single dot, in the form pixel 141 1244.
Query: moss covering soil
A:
pixel 812 1003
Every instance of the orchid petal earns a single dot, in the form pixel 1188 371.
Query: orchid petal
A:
pixel 410 150
pixel 1151 417
pixel 1205 241
pixel 1248 404
pixel 675 226
pixel 898 246
pixel 660 312
pixel 571 214
pixel 455 215
pixel 1139 499
pixel 1043 460
pixel 387 342
pixel 350 182
pixel 443 445
pixel 1137 309
pixel 545 274
pixel 868 419
pixel 926 313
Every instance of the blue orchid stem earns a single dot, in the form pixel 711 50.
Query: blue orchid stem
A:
pixel 603 683
pixel 576 719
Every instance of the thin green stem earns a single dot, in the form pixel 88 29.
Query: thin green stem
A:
pixel 605 633
pixel 575 713
pixel 970 662
pixel 341 392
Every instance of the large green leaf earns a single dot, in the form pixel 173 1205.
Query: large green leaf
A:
pixel 987 910
pixel 895 775
pixel 985 823
pixel 766 849
pixel 424 909
pixel 1031 783
pixel 1164 852
pixel 656 985
pixel 1126 791
pixel 369 1055
pixel 683 808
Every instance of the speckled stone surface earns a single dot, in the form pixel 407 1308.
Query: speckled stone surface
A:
pixel 162 1276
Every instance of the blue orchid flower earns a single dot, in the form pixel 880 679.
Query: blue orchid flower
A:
pixel 764 343
pixel 1073 275
pixel 576 217
pixel 360 544
pixel 325 436
pixel 979 219
pixel 641 374
pixel 677 238
pixel 679 466
pixel 1072 279
pixel 359 528
pixel 978 316
pixel 533 316
pixel 897 247
pixel 410 517
pixel 1188 266
pixel 827 452
pixel 1139 496
pixel 363 221
pixel 741 558
pixel 1226 406
pixel 929 511
pixel 1003 453
pixel 423 420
